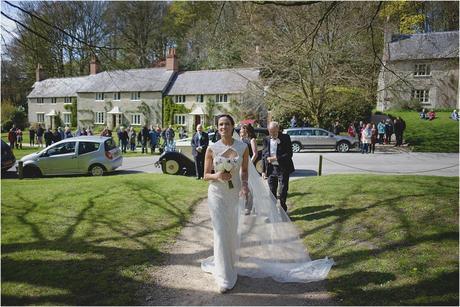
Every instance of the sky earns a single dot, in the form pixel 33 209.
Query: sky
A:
pixel 6 24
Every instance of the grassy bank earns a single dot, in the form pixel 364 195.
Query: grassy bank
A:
pixel 88 241
pixel 439 135
pixel 394 238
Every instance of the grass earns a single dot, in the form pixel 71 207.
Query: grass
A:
pixel 394 239
pixel 89 241
pixel 438 135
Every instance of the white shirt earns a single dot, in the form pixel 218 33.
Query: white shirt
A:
pixel 273 149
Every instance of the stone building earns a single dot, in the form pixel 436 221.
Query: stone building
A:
pixel 422 67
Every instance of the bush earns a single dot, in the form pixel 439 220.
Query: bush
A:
pixel 7 125
pixel 19 118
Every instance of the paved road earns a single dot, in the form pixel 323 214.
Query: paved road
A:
pixel 306 163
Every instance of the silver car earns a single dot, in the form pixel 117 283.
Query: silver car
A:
pixel 94 155
pixel 317 138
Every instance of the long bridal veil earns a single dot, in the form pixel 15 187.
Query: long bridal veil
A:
pixel 269 244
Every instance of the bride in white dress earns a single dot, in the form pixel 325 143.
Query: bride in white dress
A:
pixel 263 244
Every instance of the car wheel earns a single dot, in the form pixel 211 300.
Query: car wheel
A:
pixel 31 172
pixel 96 170
pixel 296 147
pixel 343 147
pixel 259 166
pixel 171 167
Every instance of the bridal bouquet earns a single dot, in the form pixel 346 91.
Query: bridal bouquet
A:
pixel 223 164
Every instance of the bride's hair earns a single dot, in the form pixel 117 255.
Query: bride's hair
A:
pixel 229 118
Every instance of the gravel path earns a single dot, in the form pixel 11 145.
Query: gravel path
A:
pixel 180 280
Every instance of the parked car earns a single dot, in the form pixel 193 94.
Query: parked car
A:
pixel 317 138
pixel 94 155
pixel 181 161
pixel 8 159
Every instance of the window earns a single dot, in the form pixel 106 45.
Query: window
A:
pixel 199 98
pixel 135 95
pixel 40 117
pixel 422 70
pixel 135 119
pixel 320 132
pixel 100 96
pixel 421 95
pixel 179 99
pixel 100 118
pixel 293 132
pixel 67 100
pixel 53 100
pixel 179 119
pixel 306 132
pixel 221 98
pixel 39 100
pixel 85 147
pixel 61 149
pixel 116 96
pixel 66 118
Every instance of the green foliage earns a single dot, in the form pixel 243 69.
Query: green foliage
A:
pixel 58 121
pixel 170 108
pixel 19 118
pixel 394 238
pixel 73 112
pixel 8 109
pixel 407 14
pixel 347 104
pixel 407 105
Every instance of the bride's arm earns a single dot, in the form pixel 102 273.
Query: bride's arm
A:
pixel 208 175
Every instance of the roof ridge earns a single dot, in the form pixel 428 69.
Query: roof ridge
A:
pixel 221 69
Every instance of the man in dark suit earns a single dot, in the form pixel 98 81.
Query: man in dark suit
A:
pixel 277 156
pixel 200 142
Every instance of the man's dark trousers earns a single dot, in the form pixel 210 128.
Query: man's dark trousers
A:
pixel 281 178
pixel 199 165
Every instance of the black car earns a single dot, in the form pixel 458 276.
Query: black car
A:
pixel 181 162
pixel 8 159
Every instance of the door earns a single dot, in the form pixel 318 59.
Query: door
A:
pixel 59 159
pixel 197 120
pixel 324 139
pixel 87 152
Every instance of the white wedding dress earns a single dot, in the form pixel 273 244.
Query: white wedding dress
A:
pixel 262 244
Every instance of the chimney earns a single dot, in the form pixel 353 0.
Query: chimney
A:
pixel 94 66
pixel 39 73
pixel 171 60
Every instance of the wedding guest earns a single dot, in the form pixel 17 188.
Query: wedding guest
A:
pixel 277 155
pixel 366 135
pixel 199 142
pixel 40 132
pixel 374 134
pixel 381 131
pixel 351 130
pixel 32 133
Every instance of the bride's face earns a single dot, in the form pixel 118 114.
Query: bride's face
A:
pixel 225 127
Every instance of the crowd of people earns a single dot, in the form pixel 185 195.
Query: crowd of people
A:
pixel 369 134
pixel 128 138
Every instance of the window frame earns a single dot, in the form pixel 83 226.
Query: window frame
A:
pixel 421 95
pixel 135 96
pixel 221 98
pixel 69 114
pixel 100 95
pixel 135 115
pixel 426 71
pixel 199 98
pixel 67 100
pixel 53 100
pixel 180 119
pixel 42 114
pixel 116 96
pixel 179 99
pixel 96 119
pixel 40 101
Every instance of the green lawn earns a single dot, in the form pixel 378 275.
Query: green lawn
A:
pixel 90 241
pixel 86 240
pixel 439 135
pixel 394 238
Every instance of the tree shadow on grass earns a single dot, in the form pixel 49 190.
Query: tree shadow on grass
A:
pixel 83 270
